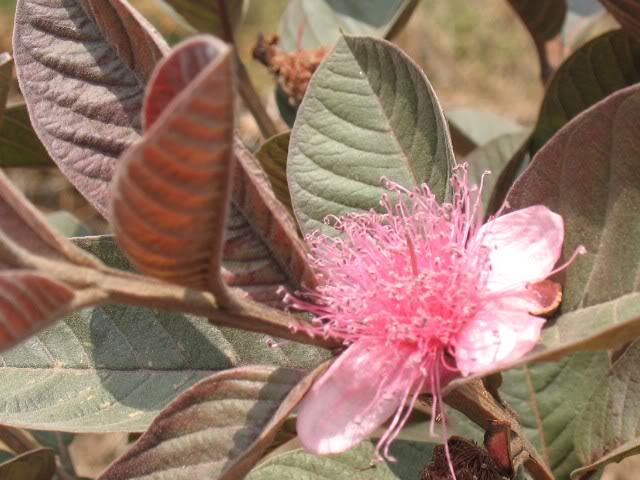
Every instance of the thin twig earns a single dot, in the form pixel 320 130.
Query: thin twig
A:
pixel 65 458
pixel 246 88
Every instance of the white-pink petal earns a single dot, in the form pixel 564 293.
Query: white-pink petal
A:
pixel 523 246
pixel 351 400
pixel 494 337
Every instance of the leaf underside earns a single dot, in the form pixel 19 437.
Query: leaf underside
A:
pixel 109 52
pixel 212 425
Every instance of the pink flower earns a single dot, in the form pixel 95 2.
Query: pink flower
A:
pixel 421 294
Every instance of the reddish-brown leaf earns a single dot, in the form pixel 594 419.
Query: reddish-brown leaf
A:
pixel 170 194
pixel 82 67
pixel 269 253
pixel 29 302
pixel 262 250
pixel 218 428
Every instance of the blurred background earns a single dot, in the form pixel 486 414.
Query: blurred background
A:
pixel 475 53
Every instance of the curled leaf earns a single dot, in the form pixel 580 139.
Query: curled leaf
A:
pixel 170 195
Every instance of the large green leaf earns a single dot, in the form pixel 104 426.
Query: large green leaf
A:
pixel 113 368
pixel 319 23
pixel 369 113
pixel 589 174
pixel 411 456
pixel 19 144
pixel 549 398
pixel 609 427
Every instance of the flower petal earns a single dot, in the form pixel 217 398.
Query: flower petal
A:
pixel 495 336
pixel 351 400
pixel 524 246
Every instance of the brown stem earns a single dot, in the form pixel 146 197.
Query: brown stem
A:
pixel 108 285
pixel 481 407
pixel 246 88
pixel 253 102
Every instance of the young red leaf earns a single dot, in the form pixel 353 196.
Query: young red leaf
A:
pixel 170 194
pixel 29 302
pixel 82 67
pixel 262 250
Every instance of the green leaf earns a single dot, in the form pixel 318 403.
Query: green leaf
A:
pixel 218 428
pixel 272 155
pixel 609 429
pixel 113 368
pixel 471 128
pixel 588 173
pixel 321 22
pixel 493 157
pixel 369 113
pixel 208 16
pixel 6 75
pixel 67 224
pixel 412 457
pixel 549 398
pixel 19 144
pixel 602 66
pixel 35 465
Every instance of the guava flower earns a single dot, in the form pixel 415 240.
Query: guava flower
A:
pixel 420 294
